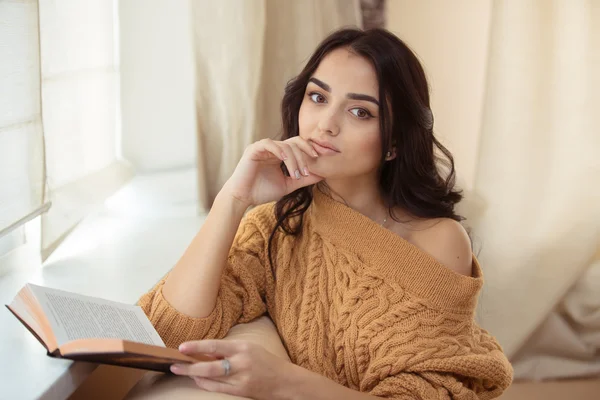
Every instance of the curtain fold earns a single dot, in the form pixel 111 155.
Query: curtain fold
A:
pixel 538 166
pixel 80 98
pixel 245 52
pixel 567 343
pixel 21 131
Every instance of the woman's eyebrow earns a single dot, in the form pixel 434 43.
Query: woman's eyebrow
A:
pixel 358 96
pixel 322 84
pixel 354 96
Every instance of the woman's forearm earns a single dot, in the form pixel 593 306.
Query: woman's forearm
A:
pixel 193 284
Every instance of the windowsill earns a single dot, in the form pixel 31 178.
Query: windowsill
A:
pixel 113 254
pixel 27 373
pixel 22 259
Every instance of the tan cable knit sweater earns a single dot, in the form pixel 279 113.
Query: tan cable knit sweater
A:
pixel 354 302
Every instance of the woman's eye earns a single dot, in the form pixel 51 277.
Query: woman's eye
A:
pixel 317 98
pixel 361 113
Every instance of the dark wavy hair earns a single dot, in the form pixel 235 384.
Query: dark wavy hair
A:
pixel 421 178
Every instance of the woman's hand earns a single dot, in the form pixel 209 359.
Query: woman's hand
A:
pixel 253 371
pixel 258 177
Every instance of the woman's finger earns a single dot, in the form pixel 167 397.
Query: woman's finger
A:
pixel 299 155
pixel 204 369
pixel 290 160
pixel 213 347
pixel 269 146
pixel 305 146
pixel 295 184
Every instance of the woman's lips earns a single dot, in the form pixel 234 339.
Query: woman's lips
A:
pixel 323 151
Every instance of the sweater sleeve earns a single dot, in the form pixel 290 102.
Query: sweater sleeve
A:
pixel 429 386
pixel 241 297
pixel 439 367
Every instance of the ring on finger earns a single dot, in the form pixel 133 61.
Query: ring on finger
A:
pixel 226 366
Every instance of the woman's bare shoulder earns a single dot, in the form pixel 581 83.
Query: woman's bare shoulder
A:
pixel 446 240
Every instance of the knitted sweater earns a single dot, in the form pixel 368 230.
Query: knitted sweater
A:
pixel 353 302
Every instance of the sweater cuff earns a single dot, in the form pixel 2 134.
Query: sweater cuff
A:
pixel 174 327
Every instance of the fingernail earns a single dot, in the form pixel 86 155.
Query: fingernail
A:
pixel 297 173
pixel 305 171
pixel 283 156
pixel 175 368
pixel 315 154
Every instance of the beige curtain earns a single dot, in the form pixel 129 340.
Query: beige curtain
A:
pixel 539 153
pixel 567 343
pixel 516 94
pixel 245 52
pixel 80 101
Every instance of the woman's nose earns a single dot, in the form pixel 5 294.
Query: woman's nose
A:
pixel 328 124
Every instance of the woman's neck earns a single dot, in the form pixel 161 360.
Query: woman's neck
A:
pixel 361 195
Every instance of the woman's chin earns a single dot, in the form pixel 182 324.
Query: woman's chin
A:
pixel 319 172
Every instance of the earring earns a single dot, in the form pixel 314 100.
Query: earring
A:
pixel 388 154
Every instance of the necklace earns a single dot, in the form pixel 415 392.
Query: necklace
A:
pixel 384 220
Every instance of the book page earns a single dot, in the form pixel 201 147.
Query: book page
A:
pixel 74 316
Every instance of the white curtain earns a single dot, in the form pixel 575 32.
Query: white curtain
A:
pixel 21 133
pixel 245 52
pixel 80 98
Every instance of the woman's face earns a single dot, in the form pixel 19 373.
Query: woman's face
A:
pixel 340 109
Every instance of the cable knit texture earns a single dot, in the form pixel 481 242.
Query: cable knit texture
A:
pixel 355 303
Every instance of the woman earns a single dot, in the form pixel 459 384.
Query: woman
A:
pixel 353 248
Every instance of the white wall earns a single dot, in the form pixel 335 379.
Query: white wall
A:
pixel 157 84
pixel 451 39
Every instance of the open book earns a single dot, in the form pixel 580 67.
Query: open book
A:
pixel 86 328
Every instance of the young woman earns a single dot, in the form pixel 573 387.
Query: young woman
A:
pixel 353 248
